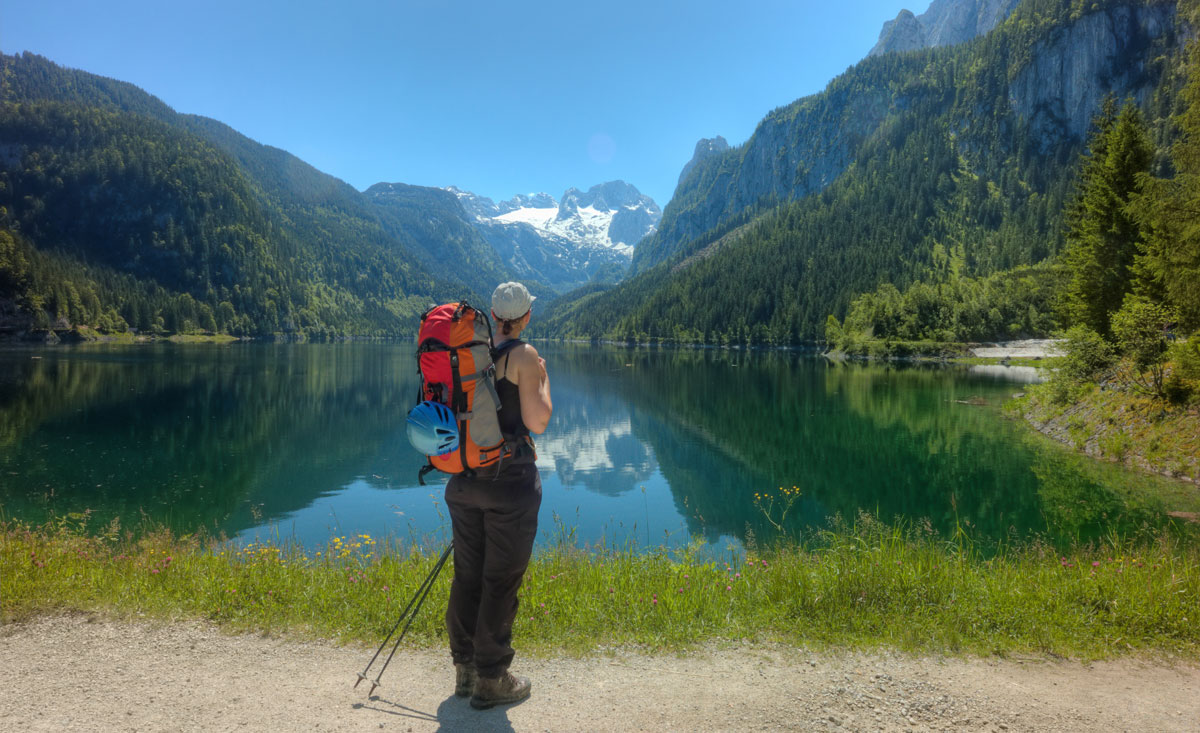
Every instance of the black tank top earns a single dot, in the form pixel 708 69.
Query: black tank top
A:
pixel 509 415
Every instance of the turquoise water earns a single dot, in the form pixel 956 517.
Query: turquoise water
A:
pixel 646 447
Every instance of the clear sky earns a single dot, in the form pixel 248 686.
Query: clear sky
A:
pixel 497 98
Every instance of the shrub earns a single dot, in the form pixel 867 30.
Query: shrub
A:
pixel 1140 328
pixel 1088 354
pixel 1183 383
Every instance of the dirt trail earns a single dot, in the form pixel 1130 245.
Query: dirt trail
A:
pixel 79 674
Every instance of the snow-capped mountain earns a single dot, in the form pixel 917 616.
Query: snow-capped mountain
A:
pixel 584 237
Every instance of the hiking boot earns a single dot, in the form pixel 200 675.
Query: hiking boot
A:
pixel 499 691
pixel 464 679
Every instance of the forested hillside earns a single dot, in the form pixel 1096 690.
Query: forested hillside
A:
pixel 117 212
pixel 963 157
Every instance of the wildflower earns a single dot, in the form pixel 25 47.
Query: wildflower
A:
pixel 764 563
pixel 611 590
pixel 729 587
pixel 1096 564
pixel 654 601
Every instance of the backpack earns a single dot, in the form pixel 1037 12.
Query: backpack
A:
pixel 457 366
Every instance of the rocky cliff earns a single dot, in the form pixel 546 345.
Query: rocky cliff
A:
pixel 1053 92
pixel 945 23
pixel 1069 73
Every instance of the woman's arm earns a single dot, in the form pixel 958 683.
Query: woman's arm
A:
pixel 533 384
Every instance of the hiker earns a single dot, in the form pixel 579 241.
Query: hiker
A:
pixel 494 517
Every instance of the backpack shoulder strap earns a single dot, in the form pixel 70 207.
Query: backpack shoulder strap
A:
pixel 503 350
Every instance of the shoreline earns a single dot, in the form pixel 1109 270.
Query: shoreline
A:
pixel 869 586
pixel 1109 425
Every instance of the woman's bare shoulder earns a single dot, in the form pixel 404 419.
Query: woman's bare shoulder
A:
pixel 526 359
pixel 525 353
pixel 528 350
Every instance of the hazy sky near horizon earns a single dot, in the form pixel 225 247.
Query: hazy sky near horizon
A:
pixel 495 98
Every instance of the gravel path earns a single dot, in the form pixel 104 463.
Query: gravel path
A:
pixel 78 673
pixel 1027 349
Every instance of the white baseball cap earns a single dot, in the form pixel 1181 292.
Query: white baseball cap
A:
pixel 510 301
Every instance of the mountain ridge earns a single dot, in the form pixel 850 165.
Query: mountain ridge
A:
pixel 931 143
pixel 798 149
pixel 584 236
pixel 198 227
pixel 944 23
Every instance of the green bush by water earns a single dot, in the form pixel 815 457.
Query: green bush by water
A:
pixel 861 586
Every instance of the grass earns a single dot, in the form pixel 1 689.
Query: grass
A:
pixel 1048 362
pixel 862 586
pixel 201 338
pixel 1137 430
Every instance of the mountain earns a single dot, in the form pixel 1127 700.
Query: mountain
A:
pixel 440 231
pixel 584 237
pixel 962 154
pixel 118 211
pixel 945 23
pixel 706 148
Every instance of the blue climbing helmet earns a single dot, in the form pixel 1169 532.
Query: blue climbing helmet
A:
pixel 431 428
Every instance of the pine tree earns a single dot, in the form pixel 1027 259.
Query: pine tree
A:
pixel 1168 264
pixel 1102 233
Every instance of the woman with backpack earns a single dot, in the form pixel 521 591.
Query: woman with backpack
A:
pixel 494 518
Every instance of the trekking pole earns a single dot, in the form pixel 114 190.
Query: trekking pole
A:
pixel 418 599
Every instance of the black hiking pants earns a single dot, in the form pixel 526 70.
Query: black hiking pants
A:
pixel 495 522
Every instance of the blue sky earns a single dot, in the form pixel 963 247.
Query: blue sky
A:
pixel 496 98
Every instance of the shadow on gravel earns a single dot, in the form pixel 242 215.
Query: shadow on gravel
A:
pixel 454 714
pixel 394 708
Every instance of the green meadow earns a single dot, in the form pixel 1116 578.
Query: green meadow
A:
pixel 860 585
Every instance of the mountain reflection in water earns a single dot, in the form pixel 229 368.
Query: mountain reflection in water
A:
pixel 646 446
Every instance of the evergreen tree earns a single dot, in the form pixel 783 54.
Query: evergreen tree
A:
pixel 1168 264
pixel 1102 233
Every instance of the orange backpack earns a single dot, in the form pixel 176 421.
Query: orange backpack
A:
pixel 457 367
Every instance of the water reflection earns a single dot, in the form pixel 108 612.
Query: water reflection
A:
pixel 214 437
pixel 1018 374
pixel 591 444
pixel 645 446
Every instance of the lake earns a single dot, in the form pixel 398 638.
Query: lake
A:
pixel 647 447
